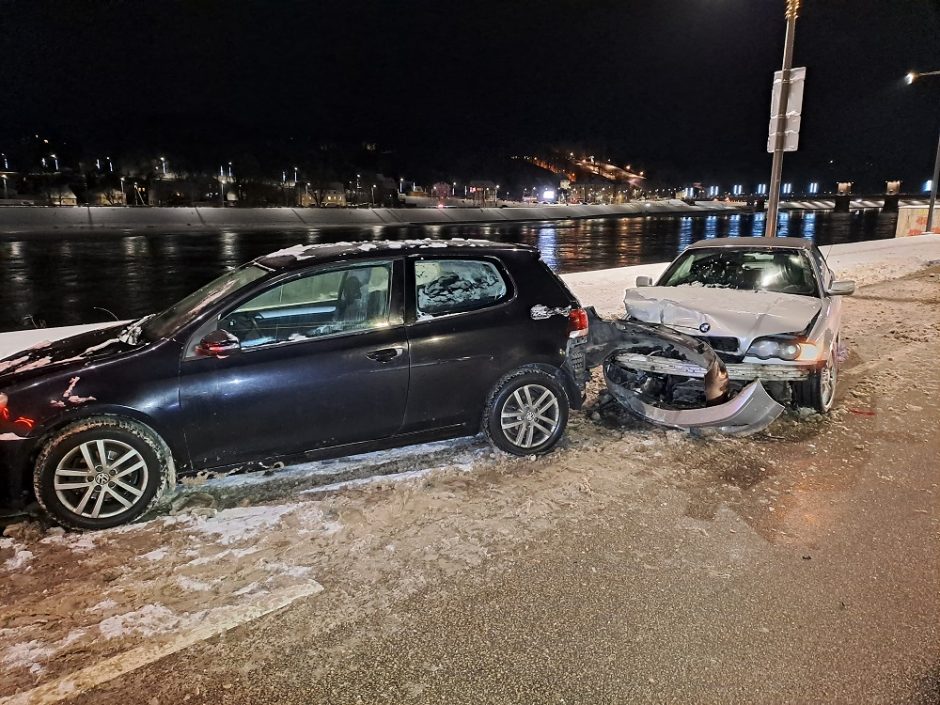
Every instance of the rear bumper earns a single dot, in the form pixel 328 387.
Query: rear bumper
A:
pixel 741 371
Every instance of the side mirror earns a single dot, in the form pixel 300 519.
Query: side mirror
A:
pixel 218 343
pixel 644 280
pixel 841 288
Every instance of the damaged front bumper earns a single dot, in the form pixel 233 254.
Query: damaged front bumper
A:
pixel 622 345
pixel 740 371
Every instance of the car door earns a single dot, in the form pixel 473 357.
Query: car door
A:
pixel 463 318
pixel 323 362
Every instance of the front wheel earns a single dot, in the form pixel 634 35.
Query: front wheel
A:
pixel 101 472
pixel 819 391
pixel 526 413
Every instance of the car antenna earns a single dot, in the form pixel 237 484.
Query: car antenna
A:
pixel 110 313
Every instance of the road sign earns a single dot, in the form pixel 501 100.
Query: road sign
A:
pixel 789 123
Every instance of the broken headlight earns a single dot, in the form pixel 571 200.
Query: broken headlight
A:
pixel 787 349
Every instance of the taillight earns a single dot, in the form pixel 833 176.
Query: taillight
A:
pixel 577 323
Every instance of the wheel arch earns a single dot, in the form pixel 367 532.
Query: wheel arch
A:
pixel 564 378
pixel 48 430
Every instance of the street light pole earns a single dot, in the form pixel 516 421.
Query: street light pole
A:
pixel 910 78
pixel 776 167
pixel 933 191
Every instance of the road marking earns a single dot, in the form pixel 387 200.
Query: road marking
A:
pixel 224 619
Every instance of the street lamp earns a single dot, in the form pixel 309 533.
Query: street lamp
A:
pixel 123 192
pixel 163 164
pixel 910 78
pixel 4 177
pixel 372 195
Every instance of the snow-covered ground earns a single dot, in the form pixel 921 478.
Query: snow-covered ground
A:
pixel 79 610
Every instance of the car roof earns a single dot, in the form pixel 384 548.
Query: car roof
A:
pixel 303 255
pixel 754 243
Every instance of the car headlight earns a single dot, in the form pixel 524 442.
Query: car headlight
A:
pixel 780 349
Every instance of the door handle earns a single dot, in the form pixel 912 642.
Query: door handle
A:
pixel 386 354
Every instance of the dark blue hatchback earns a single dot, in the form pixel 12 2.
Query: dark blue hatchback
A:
pixel 308 352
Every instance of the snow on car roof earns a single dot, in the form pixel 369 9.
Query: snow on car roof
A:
pixel 331 250
pixel 752 243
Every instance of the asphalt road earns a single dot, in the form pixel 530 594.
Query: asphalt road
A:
pixel 800 566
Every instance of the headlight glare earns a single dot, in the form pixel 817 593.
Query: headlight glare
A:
pixel 781 349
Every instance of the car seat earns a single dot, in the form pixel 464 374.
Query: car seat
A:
pixel 351 308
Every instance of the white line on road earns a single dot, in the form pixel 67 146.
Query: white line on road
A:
pixel 71 685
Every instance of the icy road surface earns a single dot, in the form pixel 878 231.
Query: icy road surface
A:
pixel 632 565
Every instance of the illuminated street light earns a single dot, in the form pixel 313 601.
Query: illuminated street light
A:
pixel 4 177
pixel 910 78
pixel 56 160
pixel 163 163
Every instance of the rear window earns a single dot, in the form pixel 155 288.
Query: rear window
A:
pixel 445 286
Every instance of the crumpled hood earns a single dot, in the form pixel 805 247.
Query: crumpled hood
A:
pixel 85 347
pixel 745 315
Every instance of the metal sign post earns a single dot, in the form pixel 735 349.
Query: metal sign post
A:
pixel 778 120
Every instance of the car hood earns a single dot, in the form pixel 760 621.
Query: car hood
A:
pixel 722 312
pixel 86 347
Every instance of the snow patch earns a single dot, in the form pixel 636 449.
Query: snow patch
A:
pixel 146 621
pixel 192 584
pixel 106 604
pixel 10 364
pixel 155 555
pixel 231 525
pixel 77 543
pixel 27 654
pixel 20 559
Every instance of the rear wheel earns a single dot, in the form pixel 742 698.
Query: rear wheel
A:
pixel 101 472
pixel 526 413
pixel 819 391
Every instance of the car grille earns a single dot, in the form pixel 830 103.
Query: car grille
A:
pixel 720 343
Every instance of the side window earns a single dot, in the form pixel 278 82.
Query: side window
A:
pixel 445 286
pixel 328 303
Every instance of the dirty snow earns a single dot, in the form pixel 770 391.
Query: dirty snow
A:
pixel 372 541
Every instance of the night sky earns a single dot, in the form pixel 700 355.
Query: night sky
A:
pixel 679 87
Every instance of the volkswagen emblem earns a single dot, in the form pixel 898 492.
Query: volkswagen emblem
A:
pixel 705 327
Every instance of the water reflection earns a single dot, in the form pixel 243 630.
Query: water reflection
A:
pixel 547 242
pixel 62 279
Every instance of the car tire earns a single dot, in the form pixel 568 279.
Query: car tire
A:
pixel 819 391
pixel 526 413
pixel 101 472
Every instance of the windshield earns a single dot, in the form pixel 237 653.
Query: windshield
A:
pixel 783 271
pixel 182 312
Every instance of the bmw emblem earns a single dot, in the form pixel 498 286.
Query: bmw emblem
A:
pixel 705 327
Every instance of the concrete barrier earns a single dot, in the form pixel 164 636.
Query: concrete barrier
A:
pixel 25 218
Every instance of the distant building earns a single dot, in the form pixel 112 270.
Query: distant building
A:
pixel 61 196
pixel 107 197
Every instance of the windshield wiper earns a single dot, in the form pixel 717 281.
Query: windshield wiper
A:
pixel 130 334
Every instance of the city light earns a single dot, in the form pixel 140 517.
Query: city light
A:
pixel 928 184
pixel 787 188
pixel 814 187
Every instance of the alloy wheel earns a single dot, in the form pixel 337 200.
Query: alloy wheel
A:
pixel 530 416
pixel 100 478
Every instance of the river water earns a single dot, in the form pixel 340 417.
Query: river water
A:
pixel 61 278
